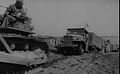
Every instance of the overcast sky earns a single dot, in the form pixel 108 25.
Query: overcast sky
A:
pixel 53 17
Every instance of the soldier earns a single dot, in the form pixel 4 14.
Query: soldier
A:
pixel 16 13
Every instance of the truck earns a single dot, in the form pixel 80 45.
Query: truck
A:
pixel 78 41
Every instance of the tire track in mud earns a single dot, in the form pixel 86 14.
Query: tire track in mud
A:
pixel 88 63
pixel 67 65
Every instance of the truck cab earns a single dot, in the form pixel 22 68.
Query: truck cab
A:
pixel 75 41
pixel 78 34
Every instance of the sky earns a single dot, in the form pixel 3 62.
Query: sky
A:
pixel 53 17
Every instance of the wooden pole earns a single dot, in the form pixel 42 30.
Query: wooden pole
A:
pixel 5 44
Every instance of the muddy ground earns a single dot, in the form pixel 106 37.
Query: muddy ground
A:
pixel 88 63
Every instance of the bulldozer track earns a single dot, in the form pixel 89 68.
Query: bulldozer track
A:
pixel 65 64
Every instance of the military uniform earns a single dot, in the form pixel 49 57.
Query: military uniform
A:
pixel 14 12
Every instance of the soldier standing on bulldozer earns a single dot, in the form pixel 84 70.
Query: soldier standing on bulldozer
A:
pixel 15 13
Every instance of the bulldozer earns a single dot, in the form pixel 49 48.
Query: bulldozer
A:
pixel 20 50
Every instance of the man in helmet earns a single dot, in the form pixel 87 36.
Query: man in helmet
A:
pixel 15 13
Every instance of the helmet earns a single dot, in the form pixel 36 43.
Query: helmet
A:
pixel 20 1
pixel 19 4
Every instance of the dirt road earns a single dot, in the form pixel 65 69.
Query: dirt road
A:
pixel 87 63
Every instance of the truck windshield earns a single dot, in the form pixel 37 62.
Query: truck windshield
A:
pixel 75 32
